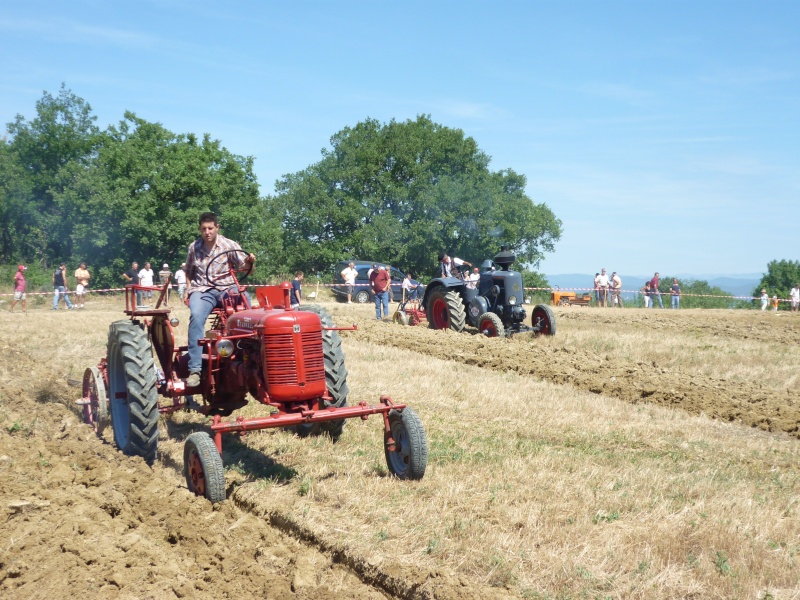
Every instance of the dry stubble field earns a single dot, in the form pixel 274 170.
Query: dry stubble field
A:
pixel 636 454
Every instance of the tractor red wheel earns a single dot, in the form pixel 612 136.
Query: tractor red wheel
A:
pixel 543 320
pixel 490 325
pixel 202 466
pixel 445 310
pixel 95 409
pixel 409 457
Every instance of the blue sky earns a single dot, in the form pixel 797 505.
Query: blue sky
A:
pixel 665 135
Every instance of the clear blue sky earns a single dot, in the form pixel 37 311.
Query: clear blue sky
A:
pixel 665 135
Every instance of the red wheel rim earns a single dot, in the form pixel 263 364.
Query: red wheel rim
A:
pixel 488 328
pixel 542 321
pixel 440 314
pixel 196 474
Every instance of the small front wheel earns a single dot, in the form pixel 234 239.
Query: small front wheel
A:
pixel 543 320
pixel 409 457
pixel 202 466
pixel 400 318
pixel 490 325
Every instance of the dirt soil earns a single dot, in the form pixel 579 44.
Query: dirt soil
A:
pixel 750 403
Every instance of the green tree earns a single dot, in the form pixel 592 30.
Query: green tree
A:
pixel 403 192
pixel 780 278
pixel 706 294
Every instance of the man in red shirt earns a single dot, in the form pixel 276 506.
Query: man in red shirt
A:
pixel 20 287
pixel 654 292
pixel 379 281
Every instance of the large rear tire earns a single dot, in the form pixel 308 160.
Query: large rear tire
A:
pixel 490 325
pixel 202 465
pixel 543 319
pixel 410 456
pixel 445 310
pixel 132 390
pixel 335 375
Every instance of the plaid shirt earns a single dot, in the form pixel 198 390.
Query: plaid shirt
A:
pixel 198 259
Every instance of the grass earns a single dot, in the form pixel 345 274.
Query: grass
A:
pixel 542 488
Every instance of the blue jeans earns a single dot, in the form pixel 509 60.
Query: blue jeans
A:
pixel 61 290
pixel 200 306
pixel 653 300
pixel 382 298
pixel 676 302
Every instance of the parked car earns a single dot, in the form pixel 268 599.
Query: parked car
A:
pixel 363 294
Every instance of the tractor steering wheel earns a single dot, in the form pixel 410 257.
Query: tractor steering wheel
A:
pixel 214 280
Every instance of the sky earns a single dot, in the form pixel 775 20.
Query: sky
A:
pixel 664 135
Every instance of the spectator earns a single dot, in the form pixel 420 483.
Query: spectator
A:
pixel 20 289
pixel 132 277
pixel 775 303
pixel 165 276
pixel 379 281
pixel 654 292
pixel 297 293
pixel 180 279
pixel 764 300
pixel 646 292
pixel 794 297
pixel 616 286
pixel 146 277
pixel 410 288
pixel 82 276
pixel 597 289
pixel 349 275
pixel 602 287
pixel 203 296
pixel 675 292
pixel 473 278
pixel 60 286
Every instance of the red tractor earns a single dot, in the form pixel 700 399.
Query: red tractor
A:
pixel 289 360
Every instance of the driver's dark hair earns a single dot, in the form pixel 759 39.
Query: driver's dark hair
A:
pixel 208 217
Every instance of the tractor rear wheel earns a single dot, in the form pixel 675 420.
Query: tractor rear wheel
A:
pixel 95 411
pixel 445 310
pixel 490 325
pixel 400 317
pixel 202 465
pixel 543 320
pixel 132 390
pixel 335 375
pixel 410 455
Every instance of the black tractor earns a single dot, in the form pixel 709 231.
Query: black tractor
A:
pixel 491 302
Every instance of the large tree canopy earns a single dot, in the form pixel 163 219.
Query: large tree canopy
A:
pixel 402 193
pixel 781 277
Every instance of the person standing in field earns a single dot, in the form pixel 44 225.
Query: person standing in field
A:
pixel 379 281
pixel 602 287
pixel 646 293
pixel 20 288
pixel 180 279
pixel 794 298
pixel 82 276
pixel 60 286
pixel 775 304
pixel 165 276
pixel 297 293
pixel 146 277
pixel 675 294
pixel 132 277
pixel 596 289
pixel 655 293
pixel 616 287
pixel 764 300
pixel 349 275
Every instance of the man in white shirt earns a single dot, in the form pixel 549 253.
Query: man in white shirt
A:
pixel 473 278
pixel 146 276
pixel 180 279
pixel 616 290
pixel 794 297
pixel 349 275
pixel 602 287
pixel 410 288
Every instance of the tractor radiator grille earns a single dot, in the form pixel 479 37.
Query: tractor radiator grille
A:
pixel 284 366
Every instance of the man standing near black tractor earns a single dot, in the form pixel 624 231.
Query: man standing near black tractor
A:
pixel 208 272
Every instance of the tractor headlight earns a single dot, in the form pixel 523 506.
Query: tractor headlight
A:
pixel 174 321
pixel 225 348
pixel 512 300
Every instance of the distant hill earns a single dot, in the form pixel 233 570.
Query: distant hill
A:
pixel 736 285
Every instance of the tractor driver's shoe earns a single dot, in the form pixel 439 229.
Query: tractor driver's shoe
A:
pixel 193 380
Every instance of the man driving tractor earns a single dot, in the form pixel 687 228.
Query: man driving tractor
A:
pixel 207 286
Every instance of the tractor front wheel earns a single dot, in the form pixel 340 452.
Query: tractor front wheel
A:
pixel 132 390
pixel 410 455
pixel 445 310
pixel 543 320
pixel 490 325
pixel 202 465
pixel 95 411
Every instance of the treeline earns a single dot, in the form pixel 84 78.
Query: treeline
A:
pixel 396 192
